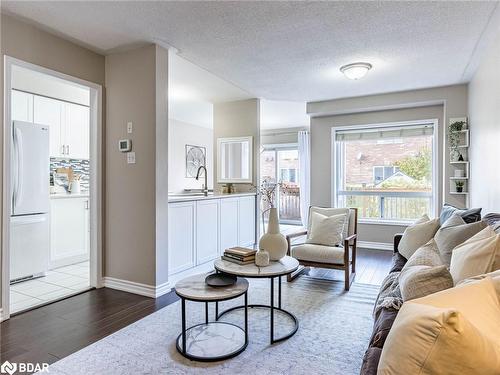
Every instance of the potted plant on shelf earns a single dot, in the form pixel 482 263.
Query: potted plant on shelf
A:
pixel 459 186
pixel 454 136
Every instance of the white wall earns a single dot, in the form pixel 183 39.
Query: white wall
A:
pixel 180 135
pixel 484 119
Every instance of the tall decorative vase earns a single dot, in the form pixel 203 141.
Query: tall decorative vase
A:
pixel 273 241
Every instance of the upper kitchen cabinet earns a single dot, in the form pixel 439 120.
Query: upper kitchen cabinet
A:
pixel 77 131
pixel 68 124
pixel 22 106
pixel 49 112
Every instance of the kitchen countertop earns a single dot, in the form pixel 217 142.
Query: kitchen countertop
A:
pixel 68 195
pixel 188 198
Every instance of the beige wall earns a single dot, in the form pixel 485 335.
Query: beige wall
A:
pixel 181 134
pixel 441 103
pixel 26 42
pixel 238 119
pixel 484 119
pixel 136 91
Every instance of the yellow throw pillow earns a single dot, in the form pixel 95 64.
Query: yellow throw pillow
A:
pixel 456 331
pixel 478 255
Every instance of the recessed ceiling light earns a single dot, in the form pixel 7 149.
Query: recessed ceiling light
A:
pixel 356 70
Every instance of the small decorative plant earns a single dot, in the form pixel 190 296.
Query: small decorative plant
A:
pixel 454 136
pixel 459 186
pixel 267 190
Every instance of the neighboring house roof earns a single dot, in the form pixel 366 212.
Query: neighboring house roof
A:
pixel 398 177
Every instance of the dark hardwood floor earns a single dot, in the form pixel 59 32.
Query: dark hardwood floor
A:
pixel 51 332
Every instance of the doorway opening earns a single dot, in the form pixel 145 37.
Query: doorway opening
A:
pixel 52 210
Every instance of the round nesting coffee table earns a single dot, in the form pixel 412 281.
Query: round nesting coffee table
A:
pixel 284 266
pixel 211 341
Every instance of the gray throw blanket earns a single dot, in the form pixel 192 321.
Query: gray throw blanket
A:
pixel 390 294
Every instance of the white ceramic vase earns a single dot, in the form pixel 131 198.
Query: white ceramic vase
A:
pixel 273 241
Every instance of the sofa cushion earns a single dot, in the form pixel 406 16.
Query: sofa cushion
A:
pixel 326 230
pixel 426 255
pixel 370 361
pixel 470 215
pixel 420 281
pixel 454 232
pixel 416 235
pixel 446 333
pixel 478 255
pixel 319 253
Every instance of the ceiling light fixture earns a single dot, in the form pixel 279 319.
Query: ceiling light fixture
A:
pixel 356 70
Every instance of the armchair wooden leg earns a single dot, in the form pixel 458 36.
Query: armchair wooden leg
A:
pixel 347 278
pixel 354 257
pixel 295 274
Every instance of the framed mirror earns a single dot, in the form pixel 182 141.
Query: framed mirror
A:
pixel 234 160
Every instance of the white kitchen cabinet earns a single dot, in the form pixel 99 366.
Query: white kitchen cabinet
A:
pixel 69 231
pixel 69 126
pixel 246 221
pixel 22 106
pixel 228 223
pixel 76 131
pixel 50 112
pixel 207 230
pixel 181 231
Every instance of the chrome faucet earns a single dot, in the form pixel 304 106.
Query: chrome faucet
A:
pixel 205 188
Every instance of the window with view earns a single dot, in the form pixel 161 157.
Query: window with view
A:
pixel 386 172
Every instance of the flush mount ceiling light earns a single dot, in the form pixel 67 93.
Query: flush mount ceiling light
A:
pixel 355 70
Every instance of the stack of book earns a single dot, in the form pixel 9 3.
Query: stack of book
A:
pixel 239 255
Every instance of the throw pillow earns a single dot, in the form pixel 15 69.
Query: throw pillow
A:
pixel 326 230
pixel 454 232
pixel 426 255
pixel 469 215
pixel 479 254
pixel 420 281
pixel 446 333
pixel 329 211
pixel 416 235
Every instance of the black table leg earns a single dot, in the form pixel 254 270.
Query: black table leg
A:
pixel 246 317
pixel 183 307
pixel 279 292
pixel 272 310
pixel 216 310
pixel 206 312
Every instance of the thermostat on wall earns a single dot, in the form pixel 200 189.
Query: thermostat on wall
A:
pixel 125 145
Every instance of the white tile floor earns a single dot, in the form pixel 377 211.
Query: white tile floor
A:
pixel 57 283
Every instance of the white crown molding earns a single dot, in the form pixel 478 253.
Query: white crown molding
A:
pixel 376 245
pixel 137 288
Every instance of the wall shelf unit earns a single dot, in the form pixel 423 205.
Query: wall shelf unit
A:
pixel 459 149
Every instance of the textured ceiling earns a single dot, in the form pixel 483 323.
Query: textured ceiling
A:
pixel 288 50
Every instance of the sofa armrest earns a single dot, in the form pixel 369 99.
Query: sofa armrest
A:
pixel 291 236
pixel 397 239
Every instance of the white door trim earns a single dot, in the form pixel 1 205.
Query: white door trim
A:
pixel 95 175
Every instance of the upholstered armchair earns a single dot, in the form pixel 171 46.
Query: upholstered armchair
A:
pixel 341 257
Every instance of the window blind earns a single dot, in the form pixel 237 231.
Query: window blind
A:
pixel 362 134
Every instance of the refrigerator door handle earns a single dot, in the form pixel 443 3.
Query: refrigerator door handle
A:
pixel 19 167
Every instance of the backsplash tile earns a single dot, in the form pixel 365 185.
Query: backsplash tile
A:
pixel 79 166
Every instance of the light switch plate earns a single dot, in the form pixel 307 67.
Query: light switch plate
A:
pixel 130 127
pixel 131 157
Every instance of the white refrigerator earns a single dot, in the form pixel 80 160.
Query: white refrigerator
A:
pixel 29 222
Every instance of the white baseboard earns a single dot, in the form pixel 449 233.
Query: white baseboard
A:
pixel 137 288
pixel 1 315
pixel 376 245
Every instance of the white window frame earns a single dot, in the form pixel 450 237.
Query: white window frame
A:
pixel 336 169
